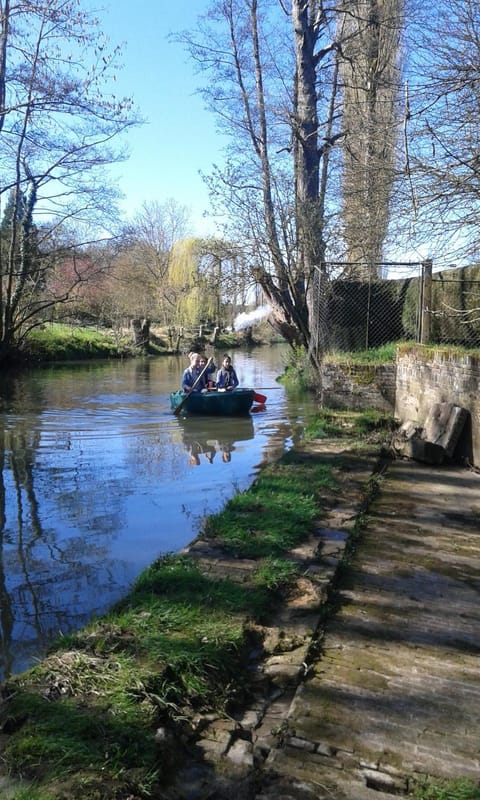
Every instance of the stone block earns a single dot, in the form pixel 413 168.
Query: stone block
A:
pixel 241 754
pixel 428 452
pixel 420 450
pixel 444 425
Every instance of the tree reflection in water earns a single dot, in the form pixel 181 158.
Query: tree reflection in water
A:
pixel 91 461
pixel 36 563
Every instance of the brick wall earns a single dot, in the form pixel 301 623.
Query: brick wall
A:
pixel 408 389
pixel 424 377
pixel 357 387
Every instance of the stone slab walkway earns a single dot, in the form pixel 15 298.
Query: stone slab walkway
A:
pixel 394 693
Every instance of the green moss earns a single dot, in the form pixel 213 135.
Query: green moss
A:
pixel 447 352
pixel 461 789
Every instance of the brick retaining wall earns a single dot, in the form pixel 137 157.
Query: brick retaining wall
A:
pixel 409 388
pixel 425 377
pixel 358 386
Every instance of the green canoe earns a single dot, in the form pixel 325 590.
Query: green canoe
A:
pixel 220 404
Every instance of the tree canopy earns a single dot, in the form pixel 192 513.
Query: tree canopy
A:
pixel 57 133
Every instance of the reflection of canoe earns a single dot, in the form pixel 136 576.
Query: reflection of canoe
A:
pixel 209 437
pixel 219 404
pixel 209 431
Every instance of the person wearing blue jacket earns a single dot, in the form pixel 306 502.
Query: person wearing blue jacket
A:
pixel 191 374
pixel 198 365
pixel 226 375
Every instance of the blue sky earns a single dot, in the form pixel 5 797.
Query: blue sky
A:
pixel 179 137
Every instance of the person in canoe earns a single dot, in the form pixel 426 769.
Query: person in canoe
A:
pixel 226 375
pixel 208 378
pixel 193 372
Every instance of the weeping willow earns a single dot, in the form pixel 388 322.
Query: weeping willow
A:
pixel 195 300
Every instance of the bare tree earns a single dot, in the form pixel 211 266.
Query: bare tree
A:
pixel 272 68
pixel 443 134
pixel 142 269
pixel 56 135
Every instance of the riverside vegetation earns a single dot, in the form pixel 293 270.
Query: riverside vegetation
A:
pixel 82 723
pixel 103 716
pixel 107 712
pixel 61 342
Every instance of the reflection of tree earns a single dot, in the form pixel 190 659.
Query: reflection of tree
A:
pixel 45 580
pixel 6 615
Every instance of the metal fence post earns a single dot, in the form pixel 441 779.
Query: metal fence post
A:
pixel 426 295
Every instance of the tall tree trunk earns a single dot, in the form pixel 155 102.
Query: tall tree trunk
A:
pixel 371 78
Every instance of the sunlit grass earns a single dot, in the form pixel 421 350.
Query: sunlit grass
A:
pixel 384 354
pixel 461 789
pixel 332 423
pixel 275 573
pixel 176 646
pixel 276 513
pixel 57 342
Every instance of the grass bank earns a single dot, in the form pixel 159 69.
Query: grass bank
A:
pixel 85 722
pixel 106 713
pixel 57 342
pixel 60 342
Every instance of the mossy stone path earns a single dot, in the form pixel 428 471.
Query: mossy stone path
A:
pixel 394 694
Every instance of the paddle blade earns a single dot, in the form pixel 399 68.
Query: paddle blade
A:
pixel 254 409
pixel 259 398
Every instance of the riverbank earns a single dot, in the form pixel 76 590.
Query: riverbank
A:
pixel 315 641
pixel 56 342
pixel 112 708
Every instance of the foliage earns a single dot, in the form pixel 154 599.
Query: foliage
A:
pixel 461 789
pixel 299 373
pixel 193 300
pixel 57 128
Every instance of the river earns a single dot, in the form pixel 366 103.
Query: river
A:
pixel 98 478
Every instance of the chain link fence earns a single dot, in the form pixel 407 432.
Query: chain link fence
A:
pixel 401 301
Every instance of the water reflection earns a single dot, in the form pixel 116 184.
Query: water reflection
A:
pixel 39 566
pixel 207 438
pixel 96 482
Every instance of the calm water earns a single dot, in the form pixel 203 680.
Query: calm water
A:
pixel 98 478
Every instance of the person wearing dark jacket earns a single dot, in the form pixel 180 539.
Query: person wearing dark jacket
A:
pixel 208 378
pixel 226 375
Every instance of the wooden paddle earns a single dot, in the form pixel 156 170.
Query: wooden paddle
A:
pixel 195 383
